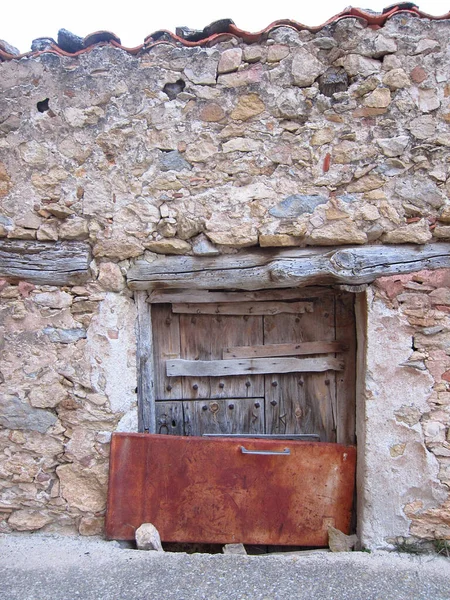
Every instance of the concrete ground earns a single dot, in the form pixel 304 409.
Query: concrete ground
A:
pixel 51 567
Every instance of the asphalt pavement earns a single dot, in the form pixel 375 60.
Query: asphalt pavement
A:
pixel 54 567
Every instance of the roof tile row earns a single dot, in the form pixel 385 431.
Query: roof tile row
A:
pixel 69 44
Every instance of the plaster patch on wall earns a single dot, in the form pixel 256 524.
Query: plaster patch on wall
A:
pixel 398 467
pixel 111 346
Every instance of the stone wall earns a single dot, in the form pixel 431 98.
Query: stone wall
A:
pixel 339 137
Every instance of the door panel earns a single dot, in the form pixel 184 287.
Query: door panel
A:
pixel 310 402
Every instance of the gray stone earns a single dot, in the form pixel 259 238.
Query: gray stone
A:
pixel 234 549
pixel 324 43
pixel 147 538
pixel 9 48
pixel 69 42
pixel 340 542
pixel 65 336
pixel 42 43
pixel 202 68
pixel 173 161
pixel 305 68
pixel 420 193
pixel 201 246
pixel 394 146
pixel 296 205
pixel 292 105
pixel 15 414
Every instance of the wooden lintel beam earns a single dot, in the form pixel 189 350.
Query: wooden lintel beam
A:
pixel 261 269
pixel 45 263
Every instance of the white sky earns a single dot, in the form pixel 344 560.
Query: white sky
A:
pixel 24 20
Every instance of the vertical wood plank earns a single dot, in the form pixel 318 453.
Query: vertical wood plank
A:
pixel 240 331
pixel 170 418
pixel 166 342
pixel 285 398
pixel 237 415
pixel 195 340
pixel 321 387
pixel 346 379
pixel 301 403
pixel 144 359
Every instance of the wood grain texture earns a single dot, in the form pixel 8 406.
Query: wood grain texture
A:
pixel 261 269
pixel 169 418
pixel 233 415
pixel 273 350
pixel 166 344
pixel 159 296
pixel 346 380
pixel 45 263
pixel 244 308
pixel 301 403
pixel 144 358
pixel 220 368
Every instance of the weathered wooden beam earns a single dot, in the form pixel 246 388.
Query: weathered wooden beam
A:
pixel 145 369
pixel 244 308
pixel 252 366
pixel 268 350
pixel 261 269
pixel 45 263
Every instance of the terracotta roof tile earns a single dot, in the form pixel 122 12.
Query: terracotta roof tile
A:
pixel 71 45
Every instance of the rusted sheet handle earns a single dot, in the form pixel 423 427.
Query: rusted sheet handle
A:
pixel 284 452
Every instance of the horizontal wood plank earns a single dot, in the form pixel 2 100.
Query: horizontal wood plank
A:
pixel 45 263
pixel 256 366
pixel 272 350
pixel 158 296
pixel 244 308
pixel 260 269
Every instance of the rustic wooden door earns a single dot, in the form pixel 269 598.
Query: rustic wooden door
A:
pixel 274 362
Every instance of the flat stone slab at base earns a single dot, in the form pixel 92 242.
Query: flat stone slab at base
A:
pixel 51 566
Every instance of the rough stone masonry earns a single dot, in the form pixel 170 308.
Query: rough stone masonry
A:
pixel 339 137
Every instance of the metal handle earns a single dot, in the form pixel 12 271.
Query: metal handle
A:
pixel 284 452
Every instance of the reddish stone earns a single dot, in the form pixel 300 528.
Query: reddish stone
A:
pixel 446 376
pixel 212 113
pixel 418 74
pixel 326 162
pixel 25 288
pixel 368 111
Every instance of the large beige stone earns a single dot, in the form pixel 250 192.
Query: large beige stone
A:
pixel 28 520
pixel 84 488
pixel 379 98
pixel 236 239
pixel 366 184
pixel 168 246
pixel 119 249
pixel 110 277
pixel 337 233
pixel 280 239
pixel 248 106
pixel 416 233
pixel 44 395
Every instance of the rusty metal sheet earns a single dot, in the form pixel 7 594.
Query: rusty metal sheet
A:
pixel 206 490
